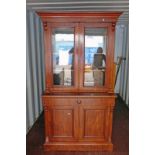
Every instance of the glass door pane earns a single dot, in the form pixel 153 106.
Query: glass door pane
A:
pixel 63 56
pixel 95 56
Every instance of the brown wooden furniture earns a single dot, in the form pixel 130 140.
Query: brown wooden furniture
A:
pixel 79 96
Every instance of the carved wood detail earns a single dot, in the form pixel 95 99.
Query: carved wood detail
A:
pixel 47 139
pixel 45 26
pixel 113 26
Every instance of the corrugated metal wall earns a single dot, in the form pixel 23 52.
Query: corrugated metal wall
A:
pixel 34 68
pixel 122 49
pixel 35 83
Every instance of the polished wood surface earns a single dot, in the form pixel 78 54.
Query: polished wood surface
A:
pixel 64 118
pixel 79 16
pixel 79 117
pixel 95 118
pixel 80 122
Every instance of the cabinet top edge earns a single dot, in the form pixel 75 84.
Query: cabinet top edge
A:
pixel 79 14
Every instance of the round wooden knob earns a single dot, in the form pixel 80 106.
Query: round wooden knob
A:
pixel 79 102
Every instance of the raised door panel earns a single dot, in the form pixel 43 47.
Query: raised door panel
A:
pixel 94 123
pixel 95 119
pixel 63 123
pixel 63 120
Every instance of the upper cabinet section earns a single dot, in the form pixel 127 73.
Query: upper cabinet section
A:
pixel 79 51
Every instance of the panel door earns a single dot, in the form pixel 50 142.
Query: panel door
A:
pixel 63 118
pixel 94 120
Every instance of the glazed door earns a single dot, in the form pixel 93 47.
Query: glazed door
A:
pixel 93 120
pixel 95 57
pixel 62 57
pixel 63 120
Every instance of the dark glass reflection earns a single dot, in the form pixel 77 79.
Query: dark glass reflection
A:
pixel 95 56
pixel 63 56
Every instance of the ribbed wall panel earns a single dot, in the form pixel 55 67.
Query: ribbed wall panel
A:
pixel 34 71
pixel 119 34
pixel 126 67
pixel 122 50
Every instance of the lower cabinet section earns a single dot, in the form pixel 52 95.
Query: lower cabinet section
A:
pixel 81 123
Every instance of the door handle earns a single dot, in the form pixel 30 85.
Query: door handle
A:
pixel 78 102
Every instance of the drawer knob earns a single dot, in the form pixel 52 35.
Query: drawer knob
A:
pixel 78 102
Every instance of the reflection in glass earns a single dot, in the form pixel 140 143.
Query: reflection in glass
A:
pixel 95 56
pixel 63 56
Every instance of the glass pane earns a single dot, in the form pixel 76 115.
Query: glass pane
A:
pixel 95 56
pixel 63 56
